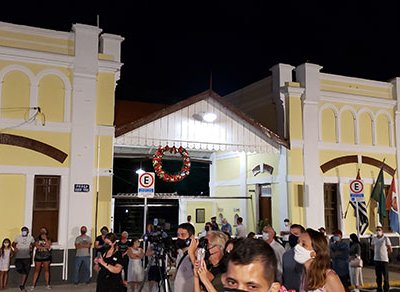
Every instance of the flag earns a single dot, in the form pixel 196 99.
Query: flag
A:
pixel 391 207
pixel 378 195
pixel 362 212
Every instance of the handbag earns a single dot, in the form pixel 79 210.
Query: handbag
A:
pixel 356 262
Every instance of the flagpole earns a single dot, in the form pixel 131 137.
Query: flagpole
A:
pixel 357 220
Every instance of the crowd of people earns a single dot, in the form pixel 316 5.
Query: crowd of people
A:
pixel 215 260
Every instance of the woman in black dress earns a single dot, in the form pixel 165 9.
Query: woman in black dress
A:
pixel 109 266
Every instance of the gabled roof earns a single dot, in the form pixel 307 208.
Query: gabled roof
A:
pixel 260 130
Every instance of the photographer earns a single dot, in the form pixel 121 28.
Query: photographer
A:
pixel 184 269
pixel 214 261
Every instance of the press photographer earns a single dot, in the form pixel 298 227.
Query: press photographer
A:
pixel 214 260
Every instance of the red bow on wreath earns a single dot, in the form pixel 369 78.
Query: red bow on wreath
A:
pixel 157 164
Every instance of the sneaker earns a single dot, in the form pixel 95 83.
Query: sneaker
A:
pixel 31 288
pixel 22 288
pixel 48 287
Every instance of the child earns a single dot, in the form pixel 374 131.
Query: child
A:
pixel 6 252
pixel 135 269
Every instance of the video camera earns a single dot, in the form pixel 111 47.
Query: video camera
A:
pixel 160 240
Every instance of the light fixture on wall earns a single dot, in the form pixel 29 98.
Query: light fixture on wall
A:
pixel 207 117
pixel 140 170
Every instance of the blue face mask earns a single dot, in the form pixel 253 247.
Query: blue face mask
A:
pixel 336 238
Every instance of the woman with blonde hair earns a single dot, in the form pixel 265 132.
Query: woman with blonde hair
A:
pixel 312 252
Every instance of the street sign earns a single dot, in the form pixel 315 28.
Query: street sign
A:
pixel 81 188
pixel 146 184
pixel 357 190
pixel 356 186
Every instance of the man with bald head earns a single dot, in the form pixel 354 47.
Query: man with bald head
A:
pixel 268 235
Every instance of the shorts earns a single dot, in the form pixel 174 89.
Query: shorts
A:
pixel 23 266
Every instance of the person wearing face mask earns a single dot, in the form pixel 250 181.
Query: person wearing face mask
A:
pixel 83 243
pixel 215 262
pixel 312 252
pixel 382 248
pixel 292 270
pixel 340 252
pixel 6 253
pixel 268 235
pixel 23 246
pixel 285 232
pixel 240 228
pixel 42 257
pixel 207 227
pixel 109 266
pixel 185 261
pixel 251 267
pixel 99 241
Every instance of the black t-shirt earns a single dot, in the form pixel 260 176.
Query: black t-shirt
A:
pixel 123 246
pixel 106 280
pixel 102 249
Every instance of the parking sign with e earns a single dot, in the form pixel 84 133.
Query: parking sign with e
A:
pixel 146 184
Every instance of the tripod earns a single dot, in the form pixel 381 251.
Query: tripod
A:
pixel 158 263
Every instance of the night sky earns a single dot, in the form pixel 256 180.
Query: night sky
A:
pixel 171 47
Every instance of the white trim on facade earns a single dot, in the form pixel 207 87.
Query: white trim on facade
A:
pixel 357 99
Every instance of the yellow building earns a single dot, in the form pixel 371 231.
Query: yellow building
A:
pixel 334 125
pixel 327 127
pixel 56 132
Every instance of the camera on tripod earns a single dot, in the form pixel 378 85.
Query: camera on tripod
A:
pixel 161 242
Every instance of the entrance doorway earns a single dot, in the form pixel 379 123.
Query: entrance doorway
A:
pixel 265 203
pixel 331 207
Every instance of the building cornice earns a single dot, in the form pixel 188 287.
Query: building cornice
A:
pixel 357 99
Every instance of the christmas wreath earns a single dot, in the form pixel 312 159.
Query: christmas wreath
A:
pixel 157 164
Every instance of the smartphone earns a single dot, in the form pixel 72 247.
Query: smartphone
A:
pixel 201 252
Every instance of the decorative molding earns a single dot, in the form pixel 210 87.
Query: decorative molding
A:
pixel 33 170
pixel 356 148
pixel 34 145
pixel 355 159
pixel 347 79
pixel 357 100
pixel 295 178
pixel 36 30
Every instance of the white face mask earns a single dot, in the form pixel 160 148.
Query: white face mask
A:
pixel 265 236
pixel 379 233
pixel 286 223
pixel 301 255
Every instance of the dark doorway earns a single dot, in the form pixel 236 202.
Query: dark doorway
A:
pixel 331 210
pixel 265 203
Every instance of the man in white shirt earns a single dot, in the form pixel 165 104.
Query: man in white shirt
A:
pixel 285 232
pixel 240 228
pixel 23 246
pixel 268 236
pixel 382 248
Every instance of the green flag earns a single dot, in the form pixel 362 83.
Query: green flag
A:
pixel 378 194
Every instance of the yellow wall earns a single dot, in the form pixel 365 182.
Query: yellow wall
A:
pixel 227 191
pixel 13 155
pixel 328 126
pixel 36 42
pixel 104 202
pixel 105 99
pixel 382 133
pixel 295 118
pixel 347 128
pixel 106 150
pixel 365 129
pixel 15 96
pixel 51 98
pixel 295 161
pixel 295 202
pixel 191 210
pixel 356 88
pixel 12 194
pixel 227 169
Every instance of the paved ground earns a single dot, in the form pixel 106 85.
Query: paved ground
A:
pixel 368 274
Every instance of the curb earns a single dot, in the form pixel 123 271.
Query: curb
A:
pixel 369 285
